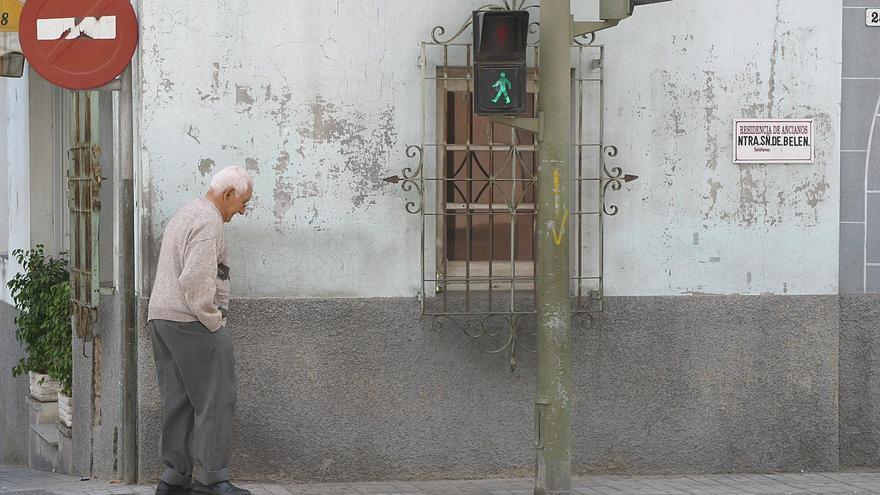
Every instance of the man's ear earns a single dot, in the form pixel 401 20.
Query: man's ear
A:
pixel 229 193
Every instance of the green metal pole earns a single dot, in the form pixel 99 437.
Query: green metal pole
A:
pixel 553 374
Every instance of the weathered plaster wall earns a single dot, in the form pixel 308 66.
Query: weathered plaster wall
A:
pixel 695 222
pixel 319 100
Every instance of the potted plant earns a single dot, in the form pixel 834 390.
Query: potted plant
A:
pixel 41 293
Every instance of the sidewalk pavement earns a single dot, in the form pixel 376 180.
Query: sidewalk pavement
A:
pixel 23 481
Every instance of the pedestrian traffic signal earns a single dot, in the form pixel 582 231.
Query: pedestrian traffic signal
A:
pixel 500 61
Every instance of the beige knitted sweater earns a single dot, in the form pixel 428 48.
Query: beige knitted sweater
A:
pixel 192 281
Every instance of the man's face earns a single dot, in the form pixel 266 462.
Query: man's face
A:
pixel 235 204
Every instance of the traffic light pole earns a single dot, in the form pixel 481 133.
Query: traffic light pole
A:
pixel 553 279
pixel 553 390
pixel 553 291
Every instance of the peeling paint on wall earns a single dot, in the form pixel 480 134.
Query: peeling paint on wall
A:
pixel 213 94
pixel 206 165
pixel 322 112
pixel 286 194
pixel 364 150
pixel 710 108
pixel 698 213
pixel 252 166
pixel 714 187
pixel 243 99
pixel 755 183
pixel 771 89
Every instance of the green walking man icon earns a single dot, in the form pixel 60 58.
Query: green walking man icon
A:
pixel 503 84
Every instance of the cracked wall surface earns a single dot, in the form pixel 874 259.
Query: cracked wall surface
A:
pixel 320 99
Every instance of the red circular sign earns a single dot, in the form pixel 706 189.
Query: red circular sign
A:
pixel 78 44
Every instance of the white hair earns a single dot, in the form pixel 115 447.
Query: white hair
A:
pixel 234 177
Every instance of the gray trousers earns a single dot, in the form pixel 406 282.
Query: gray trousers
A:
pixel 196 372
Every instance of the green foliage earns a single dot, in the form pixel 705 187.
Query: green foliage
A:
pixel 41 293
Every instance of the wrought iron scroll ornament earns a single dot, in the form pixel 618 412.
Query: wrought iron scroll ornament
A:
pixel 614 180
pixel 412 179
pixel 509 330
pixel 585 39
pixel 480 329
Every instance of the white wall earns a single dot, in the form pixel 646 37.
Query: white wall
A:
pixel 320 99
pixel 695 222
pixel 15 157
pixel 4 173
pixel 29 157
pixel 44 161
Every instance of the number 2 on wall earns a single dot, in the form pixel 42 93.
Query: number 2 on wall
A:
pixel 872 17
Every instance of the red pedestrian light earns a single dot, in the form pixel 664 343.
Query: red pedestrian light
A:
pixel 500 61
pixel 500 35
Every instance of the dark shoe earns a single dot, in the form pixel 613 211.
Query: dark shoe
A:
pixel 222 488
pixel 166 489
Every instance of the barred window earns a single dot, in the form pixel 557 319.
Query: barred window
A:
pixel 486 232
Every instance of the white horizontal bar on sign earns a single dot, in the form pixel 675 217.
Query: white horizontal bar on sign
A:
pixel 103 28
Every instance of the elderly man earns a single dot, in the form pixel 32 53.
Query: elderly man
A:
pixel 191 345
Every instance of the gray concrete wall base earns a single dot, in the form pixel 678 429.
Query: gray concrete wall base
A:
pixel 363 389
pixel 97 393
pixel 14 426
pixel 860 381
pixel 708 384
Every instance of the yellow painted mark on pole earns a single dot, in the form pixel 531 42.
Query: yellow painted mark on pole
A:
pixel 10 13
pixel 557 237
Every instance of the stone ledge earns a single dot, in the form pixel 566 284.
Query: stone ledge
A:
pixel 48 433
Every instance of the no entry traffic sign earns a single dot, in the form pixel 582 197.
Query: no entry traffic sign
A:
pixel 78 44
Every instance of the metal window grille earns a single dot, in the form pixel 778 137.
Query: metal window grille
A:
pixel 84 196
pixel 476 186
pixel 485 212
